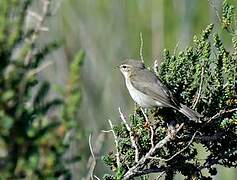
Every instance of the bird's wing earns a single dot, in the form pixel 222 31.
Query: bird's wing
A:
pixel 146 82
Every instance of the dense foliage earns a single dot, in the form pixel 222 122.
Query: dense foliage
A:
pixel 32 130
pixel 204 78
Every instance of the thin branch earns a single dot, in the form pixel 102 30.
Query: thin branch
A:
pixel 92 167
pixel 160 176
pixel 182 150
pixel 107 131
pixel 141 47
pixel 94 149
pixel 220 113
pixel 96 177
pixel 92 153
pixel 132 138
pixel 199 90
pixel 132 172
pixel 148 171
pixel 116 144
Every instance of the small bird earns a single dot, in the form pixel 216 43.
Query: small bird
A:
pixel 147 91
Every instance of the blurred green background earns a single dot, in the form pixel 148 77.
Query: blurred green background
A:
pixel 108 31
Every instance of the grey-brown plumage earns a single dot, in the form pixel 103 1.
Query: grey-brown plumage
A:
pixel 147 90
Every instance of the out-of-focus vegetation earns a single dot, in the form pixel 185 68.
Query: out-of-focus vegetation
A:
pixel 34 127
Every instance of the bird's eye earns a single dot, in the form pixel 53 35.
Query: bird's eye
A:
pixel 124 67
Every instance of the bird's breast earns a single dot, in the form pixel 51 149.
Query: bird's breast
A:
pixel 140 98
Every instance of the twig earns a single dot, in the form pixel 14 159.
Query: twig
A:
pixel 141 47
pixel 92 160
pixel 116 144
pixel 92 153
pixel 199 90
pixel 221 112
pixel 160 176
pixel 131 135
pixel 92 167
pixel 182 150
pixel 152 131
pixel 96 177
pixel 132 172
pixel 107 131
pixel 148 171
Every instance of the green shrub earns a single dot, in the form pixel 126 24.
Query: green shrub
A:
pixel 204 77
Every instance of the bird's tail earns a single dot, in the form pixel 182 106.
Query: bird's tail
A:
pixel 191 114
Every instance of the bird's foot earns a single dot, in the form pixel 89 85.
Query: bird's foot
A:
pixel 147 125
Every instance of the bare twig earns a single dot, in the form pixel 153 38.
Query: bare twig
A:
pixel 116 143
pixel 92 167
pixel 135 169
pixel 182 150
pixel 221 112
pixel 160 176
pixel 133 141
pixel 141 47
pixel 94 149
pixel 107 131
pixel 96 177
pixel 199 90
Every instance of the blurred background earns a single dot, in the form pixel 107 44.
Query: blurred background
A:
pixel 109 32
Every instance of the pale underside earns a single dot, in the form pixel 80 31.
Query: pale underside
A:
pixel 142 99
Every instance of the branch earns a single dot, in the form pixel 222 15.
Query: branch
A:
pixel 116 144
pixel 92 160
pixel 148 171
pixel 182 150
pixel 220 113
pixel 131 135
pixel 134 171
pixel 93 164
pixel 141 47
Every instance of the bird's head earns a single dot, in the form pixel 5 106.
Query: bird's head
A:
pixel 129 66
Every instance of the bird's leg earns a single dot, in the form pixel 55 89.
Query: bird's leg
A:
pixel 146 118
pixel 135 109
pixel 171 128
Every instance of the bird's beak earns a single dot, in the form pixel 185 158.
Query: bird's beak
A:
pixel 116 67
